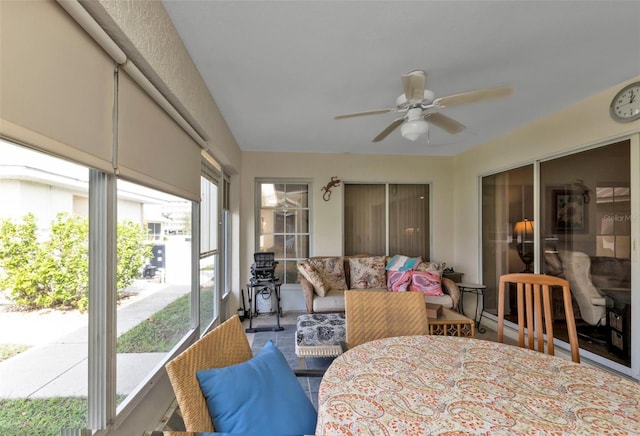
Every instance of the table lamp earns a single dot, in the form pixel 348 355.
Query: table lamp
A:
pixel 523 232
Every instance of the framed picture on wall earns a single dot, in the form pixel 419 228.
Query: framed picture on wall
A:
pixel 569 212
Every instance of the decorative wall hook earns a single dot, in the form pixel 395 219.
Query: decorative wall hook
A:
pixel 335 181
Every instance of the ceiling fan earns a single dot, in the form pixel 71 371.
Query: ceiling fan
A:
pixel 420 107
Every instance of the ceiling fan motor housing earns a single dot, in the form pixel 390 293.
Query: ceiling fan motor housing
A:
pixel 402 103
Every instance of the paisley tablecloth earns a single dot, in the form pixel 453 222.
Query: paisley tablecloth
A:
pixel 443 385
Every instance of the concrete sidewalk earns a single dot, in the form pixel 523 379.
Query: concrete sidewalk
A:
pixel 59 368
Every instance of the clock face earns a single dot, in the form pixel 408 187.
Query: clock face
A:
pixel 625 106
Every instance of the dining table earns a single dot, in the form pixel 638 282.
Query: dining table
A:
pixel 444 385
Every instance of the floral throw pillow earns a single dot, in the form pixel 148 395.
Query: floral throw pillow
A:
pixel 431 267
pixel 426 282
pixel 309 272
pixel 331 269
pixel 368 272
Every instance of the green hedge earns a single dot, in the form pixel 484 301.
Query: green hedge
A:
pixel 54 272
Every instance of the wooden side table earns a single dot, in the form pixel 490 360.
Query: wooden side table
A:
pixel 451 323
pixel 455 276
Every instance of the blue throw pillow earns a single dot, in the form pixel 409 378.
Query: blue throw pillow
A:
pixel 260 395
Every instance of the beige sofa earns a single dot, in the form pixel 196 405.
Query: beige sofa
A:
pixel 332 299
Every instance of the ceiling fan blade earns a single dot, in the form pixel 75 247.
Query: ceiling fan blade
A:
pixel 473 96
pixel 444 122
pixel 362 114
pixel 414 84
pixel 390 128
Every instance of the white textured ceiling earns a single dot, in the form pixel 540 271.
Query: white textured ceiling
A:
pixel 281 70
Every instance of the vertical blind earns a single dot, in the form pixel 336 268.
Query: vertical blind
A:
pixel 364 219
pixel 409 220
pixel 381 221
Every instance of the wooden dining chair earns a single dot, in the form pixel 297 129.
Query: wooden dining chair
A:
pixel 534 307
pixel 373 315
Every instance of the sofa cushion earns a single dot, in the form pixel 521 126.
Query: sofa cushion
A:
pixel 331 269
pixel 445 300
pixel 333 301
pixel 309 272
pixel 368 272
pixel 610 272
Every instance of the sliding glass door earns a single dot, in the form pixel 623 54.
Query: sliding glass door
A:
pixel 583 226
pixel 507 205
pixel 585 211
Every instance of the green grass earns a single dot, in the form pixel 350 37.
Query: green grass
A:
pixel 47 416
pixel 10 350
pixel 42 417
pixel 162 330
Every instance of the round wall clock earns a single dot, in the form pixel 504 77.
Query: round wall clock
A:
pixel 625 106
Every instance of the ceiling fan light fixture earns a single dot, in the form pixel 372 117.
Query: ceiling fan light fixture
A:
pixel 414 129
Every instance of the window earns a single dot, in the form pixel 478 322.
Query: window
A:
pixel 155 230
pixel 283 225
pixel 43 226
pixel 226 239
pixel 386 219
pixel 48 212
pixel 613 208
pixel 154 307
pixel 209 248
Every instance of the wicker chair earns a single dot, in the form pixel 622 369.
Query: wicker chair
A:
pixel 373 315
pixel 534 299
pixel 225 345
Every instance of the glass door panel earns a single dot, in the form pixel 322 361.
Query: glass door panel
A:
pixel 507 223
pixel 585 210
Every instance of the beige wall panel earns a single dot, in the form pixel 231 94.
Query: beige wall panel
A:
pixel 56 83
pixel 326 218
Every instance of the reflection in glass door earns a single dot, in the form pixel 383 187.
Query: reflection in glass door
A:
pixel 507 230
pixel 585 209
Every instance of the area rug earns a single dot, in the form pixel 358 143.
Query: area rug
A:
pixel 285 341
